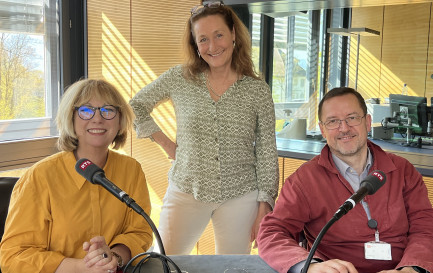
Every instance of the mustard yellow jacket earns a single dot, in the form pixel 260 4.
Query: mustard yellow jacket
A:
pixel 53 210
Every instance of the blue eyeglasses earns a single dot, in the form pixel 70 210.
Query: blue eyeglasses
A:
pixel 88 112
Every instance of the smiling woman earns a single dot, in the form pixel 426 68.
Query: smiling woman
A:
pixel 225 160
pixel 80 104
pixel 98 245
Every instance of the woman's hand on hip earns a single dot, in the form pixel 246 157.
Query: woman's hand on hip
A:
pixel 264 208
pixel 166 143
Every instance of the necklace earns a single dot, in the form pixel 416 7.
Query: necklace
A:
pixel 210 87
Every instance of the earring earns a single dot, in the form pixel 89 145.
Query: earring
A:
pixel 234 44
pixel 198 52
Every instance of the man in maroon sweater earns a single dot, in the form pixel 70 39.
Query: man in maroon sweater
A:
pixel 390 231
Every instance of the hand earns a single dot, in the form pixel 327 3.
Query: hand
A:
pixel 170 149
pixel 332 266
pixel 166 143
pixel 407 269
pixel 264 208
pixel 99 255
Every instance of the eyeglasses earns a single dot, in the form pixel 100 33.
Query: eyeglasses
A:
pixel 336 123
pixel 88 112
pixel 207 4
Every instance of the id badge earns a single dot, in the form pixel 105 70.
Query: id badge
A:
pixel 377 251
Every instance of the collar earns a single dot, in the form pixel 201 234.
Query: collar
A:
pixel 380 159
pixel 343 167
pixel 70 161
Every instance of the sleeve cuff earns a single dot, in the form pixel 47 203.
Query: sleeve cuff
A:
pixel 264 197
pixel 146 129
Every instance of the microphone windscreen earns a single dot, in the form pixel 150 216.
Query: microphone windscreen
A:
pixel 87 169
pixel 374 181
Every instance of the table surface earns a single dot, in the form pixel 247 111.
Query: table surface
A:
pixel 210 264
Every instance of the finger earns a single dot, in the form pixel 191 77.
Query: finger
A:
pixel 94 257
pixel 350 267
pixel 86 246
pixel 109 261
pixel 330 266
pixel 255 231
pixel 342 266
pixel 94 247
pixel 106 259
pixel 97 239
pixel 93 251
pixel 106 265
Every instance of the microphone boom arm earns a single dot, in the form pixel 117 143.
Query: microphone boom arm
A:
pixel 316 243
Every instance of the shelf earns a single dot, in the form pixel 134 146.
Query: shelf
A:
pixel 362 31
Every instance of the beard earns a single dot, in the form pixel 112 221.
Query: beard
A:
pixel 348 149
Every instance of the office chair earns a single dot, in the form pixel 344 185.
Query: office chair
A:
pixel 6 186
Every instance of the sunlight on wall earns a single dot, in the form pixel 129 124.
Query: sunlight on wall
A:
pixel 117 52
pixel 375 80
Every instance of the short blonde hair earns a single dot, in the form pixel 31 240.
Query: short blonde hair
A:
pixel 80 93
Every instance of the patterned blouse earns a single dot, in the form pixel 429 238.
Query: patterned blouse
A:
pixel 224 149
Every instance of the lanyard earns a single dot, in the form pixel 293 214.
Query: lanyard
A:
pixel 372 223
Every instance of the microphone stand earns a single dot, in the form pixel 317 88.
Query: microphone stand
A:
pixel 316 243
pixel 133 205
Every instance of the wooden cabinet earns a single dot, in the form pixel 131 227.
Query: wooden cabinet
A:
pixel 402 53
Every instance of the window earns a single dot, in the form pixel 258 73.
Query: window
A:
pixel 297 67
pixel 255 37
pixel 29 80
pixel 29 68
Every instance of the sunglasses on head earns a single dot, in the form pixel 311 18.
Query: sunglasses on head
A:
pixel 207 4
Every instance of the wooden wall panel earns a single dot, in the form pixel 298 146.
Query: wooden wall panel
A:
pixel 429 183
pixel 109 42
pixel 405 40
pixel 399 56
pixel 370 54
pixel 290 165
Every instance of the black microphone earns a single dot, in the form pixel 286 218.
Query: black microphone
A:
pixel 96 175
pixel 368 186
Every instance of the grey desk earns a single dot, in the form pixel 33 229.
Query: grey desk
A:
pixel 421 158
pixel 211 264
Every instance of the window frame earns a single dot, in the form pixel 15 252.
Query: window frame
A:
pixel 72 65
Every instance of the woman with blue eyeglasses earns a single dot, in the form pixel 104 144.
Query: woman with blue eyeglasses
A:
pixel 58 221
pixel 225 165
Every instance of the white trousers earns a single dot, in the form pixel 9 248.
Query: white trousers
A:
pixel 183 219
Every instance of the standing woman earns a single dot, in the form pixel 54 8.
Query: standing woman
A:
pixel 59 222
pixel 225 164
